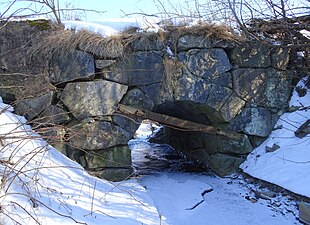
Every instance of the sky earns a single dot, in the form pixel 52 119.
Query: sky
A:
pixel 114 9
pixel 135 8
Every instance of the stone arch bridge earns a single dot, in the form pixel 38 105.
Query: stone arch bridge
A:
pixel 227 96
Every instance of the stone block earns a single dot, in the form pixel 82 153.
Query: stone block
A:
pixel 265 87
pixel 53 115
pixel 304 212
pixel 190 41
pixel 139 68
pixel 31 107
pixel 257 121
pixel 93 98
pixel 218 95
pixel 138 99
pixel 101 63
pixel 71 66
pixel 207 63
pixel 217 144
pixel 280 58
pixel 96 135
pixel 225 164
pixel 116 157
pixel 251 55
pixel 114 174
pixel 232 107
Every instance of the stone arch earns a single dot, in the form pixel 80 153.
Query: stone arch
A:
pixel 240 88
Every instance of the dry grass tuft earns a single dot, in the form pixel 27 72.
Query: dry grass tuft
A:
pixel 208 30
pixel 66 41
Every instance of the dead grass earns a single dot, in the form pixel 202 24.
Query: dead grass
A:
pixel 64 41
pixel 208 30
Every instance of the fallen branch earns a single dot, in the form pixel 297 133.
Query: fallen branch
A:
pixel 174 122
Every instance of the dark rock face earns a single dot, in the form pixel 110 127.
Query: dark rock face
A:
pixel 22 73
pixel 255 121
pixel 207 64
pixel 280 58
pixel 96 135
pixel 304 212
pixel 53 115
pixel 267 87
pixel 188 42
pixel 71 66
pixel 251 55
pixel 94 98
pixel 238 87
pixel 140 68
pixel 117 158
pixel 31 107
pixel 138 99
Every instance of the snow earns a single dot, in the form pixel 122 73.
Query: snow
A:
pixel 289 165
pixel 112 26
pixel 184 199
pixel 305 33
pixel 43 186
pixel 41 182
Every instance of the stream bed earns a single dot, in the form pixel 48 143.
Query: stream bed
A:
pixel 149 158
pixel 185 193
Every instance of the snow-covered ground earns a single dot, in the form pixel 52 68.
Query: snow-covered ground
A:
pixel 184 199
pixel 39 185
pixel 288 166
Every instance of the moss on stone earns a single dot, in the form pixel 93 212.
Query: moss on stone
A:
pixel 40 24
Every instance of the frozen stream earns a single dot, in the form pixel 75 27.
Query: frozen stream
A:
pixel 150 158
pixel 183 194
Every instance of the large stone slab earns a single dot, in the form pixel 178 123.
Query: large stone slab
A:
pixel 256 121
pixel 304 212
pixel 229 146
pixel 71 66
pixel 280 58
pixel 22 85
pixel 53 115
pixel 139 68
pixel 191 88
pixel 207 63
pixel 31 107
pixel 97 135
pixel 125 123
pixel 265 87
pixel 190 41
pixel 225 164
pixel 218 96
pixel 94 98
pixel 138 99
pixel 278 89
pixel 117 157
pixel 232 107
pixel 251 55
